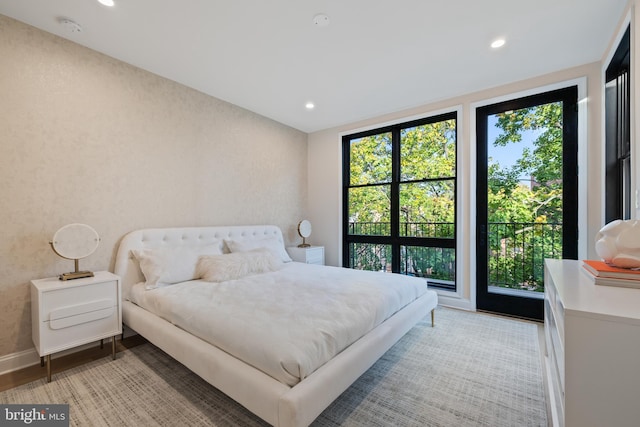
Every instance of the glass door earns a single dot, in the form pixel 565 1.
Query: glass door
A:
pixel 527 198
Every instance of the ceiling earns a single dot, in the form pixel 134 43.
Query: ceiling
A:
pixel 374 57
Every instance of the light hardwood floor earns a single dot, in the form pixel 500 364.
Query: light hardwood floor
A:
pixel 35 372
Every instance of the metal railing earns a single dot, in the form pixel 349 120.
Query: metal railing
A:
pixel 516 252
pixel 407 229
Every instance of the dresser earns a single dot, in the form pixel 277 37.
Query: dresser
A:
pixel 308 255
pixel 592 349
pixel 69 313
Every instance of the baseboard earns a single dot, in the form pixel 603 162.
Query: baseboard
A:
pixel 15 361
pixel 454 302
pixel 22 359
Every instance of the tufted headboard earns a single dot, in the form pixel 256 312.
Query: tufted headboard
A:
pixel 127 267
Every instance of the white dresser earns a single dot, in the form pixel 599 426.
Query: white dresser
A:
pixel 592 355
pixel 308 255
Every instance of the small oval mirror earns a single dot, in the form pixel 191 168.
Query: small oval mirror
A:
pixel 75 241
pixel 304 228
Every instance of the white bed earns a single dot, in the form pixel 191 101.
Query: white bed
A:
pixel 274 401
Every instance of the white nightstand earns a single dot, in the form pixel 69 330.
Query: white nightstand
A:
pixel 66 314
pixel 308 255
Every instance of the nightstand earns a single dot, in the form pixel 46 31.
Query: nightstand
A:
pixel 67 314
pixel 308 255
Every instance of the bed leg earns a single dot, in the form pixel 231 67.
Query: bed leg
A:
pixel 432 317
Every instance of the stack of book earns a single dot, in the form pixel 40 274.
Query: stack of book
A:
pixel 608 275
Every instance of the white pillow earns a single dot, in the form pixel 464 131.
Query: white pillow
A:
pixel 220 268
pixel 270 243
pixel 166 266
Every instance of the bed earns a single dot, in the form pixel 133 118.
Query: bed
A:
pixel 285 402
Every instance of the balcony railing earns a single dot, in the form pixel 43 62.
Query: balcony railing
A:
pixel 410 229
pixel 516 252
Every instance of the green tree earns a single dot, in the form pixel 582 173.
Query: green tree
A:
pixel 543 164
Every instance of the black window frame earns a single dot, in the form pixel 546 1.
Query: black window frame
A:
pixel 618 132
pixel 395 239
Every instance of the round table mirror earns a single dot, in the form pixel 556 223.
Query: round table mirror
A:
pixel 304 230
pixel 75 241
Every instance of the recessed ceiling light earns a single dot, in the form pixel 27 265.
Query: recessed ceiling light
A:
pixel 107 2
pixel 497 43
pixel 309 106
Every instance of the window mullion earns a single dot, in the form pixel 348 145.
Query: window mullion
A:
pixel 395 200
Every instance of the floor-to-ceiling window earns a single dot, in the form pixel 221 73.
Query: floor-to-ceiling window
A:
pixel 399 199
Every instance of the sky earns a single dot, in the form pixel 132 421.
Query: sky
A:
pixel 507 156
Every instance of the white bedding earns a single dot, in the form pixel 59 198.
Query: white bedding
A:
pixel 286 323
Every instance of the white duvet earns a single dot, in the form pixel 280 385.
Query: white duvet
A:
pixel 286 323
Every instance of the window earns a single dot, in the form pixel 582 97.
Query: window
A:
pixel 618 131
pixel 399 199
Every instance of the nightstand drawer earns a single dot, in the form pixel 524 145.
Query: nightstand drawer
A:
pixel 315 255
pixel 61 334
pixel 80 313
pixel 78 296
pixel 308 255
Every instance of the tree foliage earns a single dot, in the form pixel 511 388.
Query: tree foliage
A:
pixel 427 166
pixel 543 164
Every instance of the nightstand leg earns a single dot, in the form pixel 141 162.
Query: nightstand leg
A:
pixel 41 361
pixel 48 368
pixel 113 347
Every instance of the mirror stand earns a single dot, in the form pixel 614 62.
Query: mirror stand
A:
pixel 77 274
pixel 304 244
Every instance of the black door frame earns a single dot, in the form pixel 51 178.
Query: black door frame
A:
pixel 531 308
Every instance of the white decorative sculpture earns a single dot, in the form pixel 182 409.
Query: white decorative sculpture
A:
pixel 618 243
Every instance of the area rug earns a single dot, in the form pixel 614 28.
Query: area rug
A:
pixel 471 369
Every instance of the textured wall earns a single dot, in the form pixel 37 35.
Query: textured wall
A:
pixel 86 138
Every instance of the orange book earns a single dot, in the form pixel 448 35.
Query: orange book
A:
pixel 602 269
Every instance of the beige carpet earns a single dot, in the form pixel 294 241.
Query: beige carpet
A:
pixel 470 370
